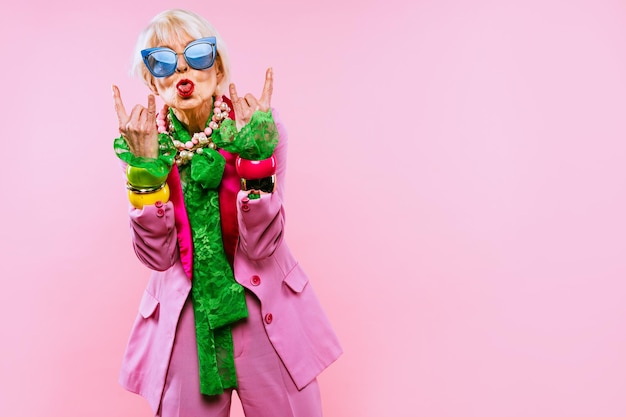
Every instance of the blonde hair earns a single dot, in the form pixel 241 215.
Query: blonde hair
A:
pixel 176 25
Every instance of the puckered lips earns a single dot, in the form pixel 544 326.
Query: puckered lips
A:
pixel 185 88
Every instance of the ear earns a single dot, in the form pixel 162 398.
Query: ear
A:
pixel 219 69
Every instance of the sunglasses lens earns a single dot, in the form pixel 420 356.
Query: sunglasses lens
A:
pixel 200 55
pixel 162 63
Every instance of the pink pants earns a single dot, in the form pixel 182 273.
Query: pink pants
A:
pixel 265 387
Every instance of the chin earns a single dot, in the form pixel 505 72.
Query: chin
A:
pixel 187 103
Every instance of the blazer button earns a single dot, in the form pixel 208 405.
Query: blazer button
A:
pixel 160 212
pixel 158 204
pixel 245 208
pixel 245 200
pixel 255 280
pixel 269 318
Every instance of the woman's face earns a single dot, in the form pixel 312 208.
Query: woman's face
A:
pixel 188 88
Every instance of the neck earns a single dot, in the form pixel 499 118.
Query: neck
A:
pixel 196 119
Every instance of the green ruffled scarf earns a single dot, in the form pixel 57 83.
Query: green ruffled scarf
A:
pixel 218 300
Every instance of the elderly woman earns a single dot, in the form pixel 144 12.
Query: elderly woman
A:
pixel 227 306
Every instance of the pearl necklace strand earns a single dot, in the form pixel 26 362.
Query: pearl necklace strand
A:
pixel 200 140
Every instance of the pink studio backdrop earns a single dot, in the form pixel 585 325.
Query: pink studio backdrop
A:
pixel 455 191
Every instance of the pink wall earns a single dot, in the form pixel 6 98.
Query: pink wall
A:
pixel 455 190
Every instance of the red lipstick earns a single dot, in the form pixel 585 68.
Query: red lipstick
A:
pixel 185 88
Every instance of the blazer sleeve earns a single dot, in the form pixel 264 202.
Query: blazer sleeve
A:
pixel 153 234
pixel 262 220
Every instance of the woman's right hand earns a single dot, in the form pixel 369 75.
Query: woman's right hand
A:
pixel 139 128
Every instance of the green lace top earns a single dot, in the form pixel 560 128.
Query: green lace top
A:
pixel 218 300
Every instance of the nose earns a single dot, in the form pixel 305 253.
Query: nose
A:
pixel 181 65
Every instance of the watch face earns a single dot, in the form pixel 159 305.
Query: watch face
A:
pixel 262 184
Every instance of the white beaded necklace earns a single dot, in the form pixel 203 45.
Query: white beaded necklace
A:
pixel 200 140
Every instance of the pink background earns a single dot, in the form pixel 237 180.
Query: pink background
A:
pixel 455 191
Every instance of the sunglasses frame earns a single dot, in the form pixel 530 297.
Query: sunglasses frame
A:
pixel 145 54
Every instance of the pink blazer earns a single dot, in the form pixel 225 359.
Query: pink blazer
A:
pixel 294 320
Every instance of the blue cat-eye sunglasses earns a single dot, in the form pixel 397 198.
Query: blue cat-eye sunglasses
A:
pixel 199 54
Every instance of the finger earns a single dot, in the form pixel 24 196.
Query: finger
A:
pixel 237 102
pixel 233 93
pixel 135 118
pixel 151 113
pixel 252 101
pixel 268 88
pixel 122 117
pixel 151 107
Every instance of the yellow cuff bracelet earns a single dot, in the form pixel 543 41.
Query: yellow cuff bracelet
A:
pixel 140 199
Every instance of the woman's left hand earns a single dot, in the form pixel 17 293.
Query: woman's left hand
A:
pixel 246 106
